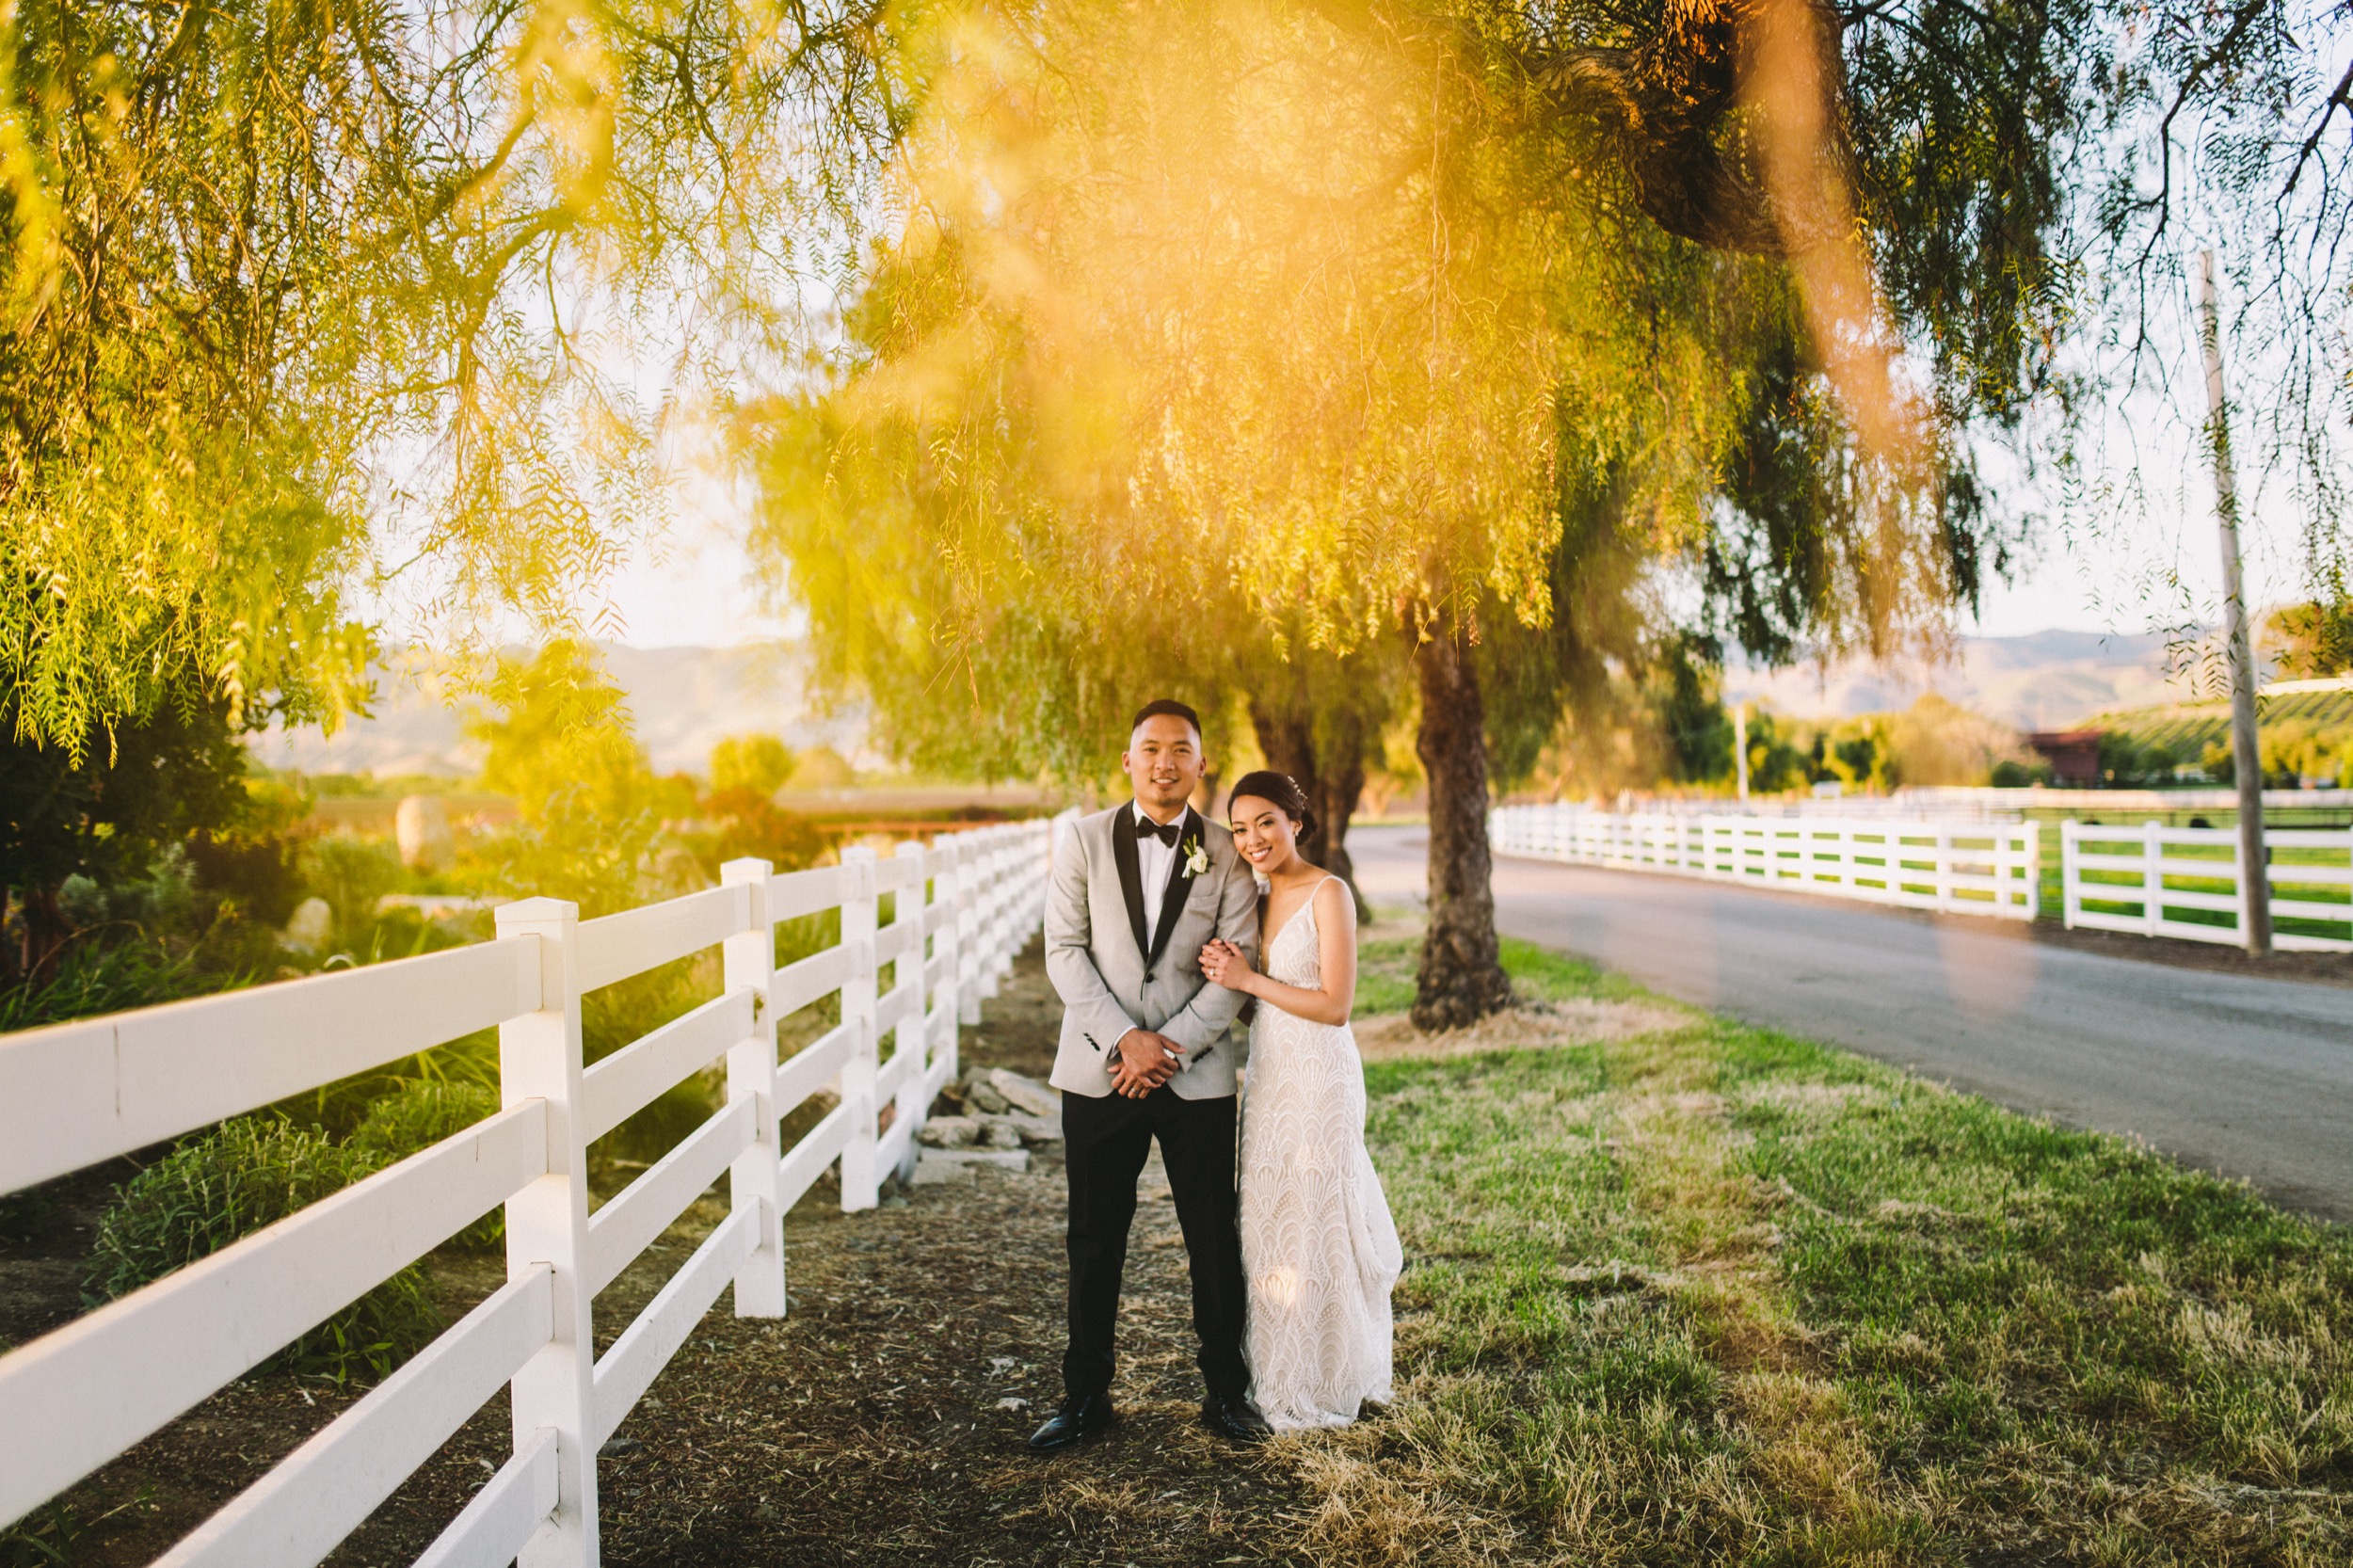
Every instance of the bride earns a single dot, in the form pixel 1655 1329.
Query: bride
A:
pixel 1318 1245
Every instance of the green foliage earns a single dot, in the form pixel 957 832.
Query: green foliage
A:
pixel 419 1114
pixel 109 977
pixel 104 813
pixel 227 1183
pixel 1686 706
pixel 2127 762
pixel 351 873
pixel 561 745
pixel 2010 774
pixel 757 764
pixel 276 278
pixel 2314 639
pixel 1778 763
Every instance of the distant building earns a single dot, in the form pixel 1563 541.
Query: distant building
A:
pixel 2073 755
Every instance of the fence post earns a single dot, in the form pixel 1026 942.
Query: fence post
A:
pixel 2071 891
pixel 2030 852
pixel 941 919
pixel 992 921
pixel 1943 870
pixel 861 1183
pixel 2152 879
pixel 2242 884
pixel 947 908
pixel 968 1007
pixel 547 1223
pixel 754 1181
pixel 908 1033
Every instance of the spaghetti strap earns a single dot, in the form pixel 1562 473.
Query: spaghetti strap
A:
pixel 1307 907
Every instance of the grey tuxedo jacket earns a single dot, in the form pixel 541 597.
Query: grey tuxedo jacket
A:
pixel 1113 975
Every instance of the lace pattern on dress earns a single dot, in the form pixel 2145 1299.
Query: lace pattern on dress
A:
pixel 1318 1244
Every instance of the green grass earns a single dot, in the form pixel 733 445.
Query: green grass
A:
pixel 1721 1296
pixel 1384 975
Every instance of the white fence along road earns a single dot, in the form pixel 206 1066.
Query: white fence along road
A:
pixel 81 1093
pixel 1964 867
pixel 2142 878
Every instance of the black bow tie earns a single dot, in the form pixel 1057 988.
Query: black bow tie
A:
pixel 1147 828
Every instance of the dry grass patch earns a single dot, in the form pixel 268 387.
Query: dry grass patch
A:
pixel 1532 1026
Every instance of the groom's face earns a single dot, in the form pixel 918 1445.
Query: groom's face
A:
pixel 1163 759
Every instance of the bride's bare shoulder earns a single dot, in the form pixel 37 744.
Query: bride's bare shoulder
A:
pixel 1335 908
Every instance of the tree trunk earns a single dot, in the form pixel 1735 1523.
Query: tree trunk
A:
pixel 1338 784
pixel 1331 775
pixel 1461 977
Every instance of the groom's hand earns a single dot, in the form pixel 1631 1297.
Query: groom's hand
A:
pixel 1146 1060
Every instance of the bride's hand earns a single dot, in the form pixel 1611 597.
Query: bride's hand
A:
pixel 1223 964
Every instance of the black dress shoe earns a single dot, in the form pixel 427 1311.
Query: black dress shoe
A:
pixel 1233 1416
pixel 1081 1417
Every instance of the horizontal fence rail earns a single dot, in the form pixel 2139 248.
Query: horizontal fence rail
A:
pixel 1958 867
pixel 2152 880
pixel 81 1093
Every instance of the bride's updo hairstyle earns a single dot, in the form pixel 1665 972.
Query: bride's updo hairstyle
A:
pixel 1288 797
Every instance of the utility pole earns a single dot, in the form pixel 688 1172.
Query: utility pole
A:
pixel 1740 747
pixel 2246 753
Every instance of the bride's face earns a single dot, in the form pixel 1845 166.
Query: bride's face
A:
pixel 1266 838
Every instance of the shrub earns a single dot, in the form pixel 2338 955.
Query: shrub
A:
pixel 351 873
pixel 231 1181
pixel 94 978
pixel 419 1114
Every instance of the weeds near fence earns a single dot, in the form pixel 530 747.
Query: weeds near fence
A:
pixel 230 1182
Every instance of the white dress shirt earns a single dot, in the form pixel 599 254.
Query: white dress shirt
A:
pixel 1154 861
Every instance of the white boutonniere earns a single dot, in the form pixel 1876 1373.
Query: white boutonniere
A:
pixel 1196 856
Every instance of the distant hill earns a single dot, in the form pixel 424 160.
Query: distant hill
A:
pixel 681 699
pixel 2042 680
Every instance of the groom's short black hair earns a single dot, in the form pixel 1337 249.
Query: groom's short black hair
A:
pixel 1173 708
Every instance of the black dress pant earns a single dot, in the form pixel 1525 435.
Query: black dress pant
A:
pixel 1105 1143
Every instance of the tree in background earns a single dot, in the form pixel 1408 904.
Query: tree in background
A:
pixel 105 820
pixel 561 745
pixel 1188 401
pixel 1537 283
pixel 300 297
pixel 738 816
pixel 1320 718
pixel 2312 640
pixel 753 764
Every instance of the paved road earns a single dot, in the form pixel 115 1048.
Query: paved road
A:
pixel 2250 1076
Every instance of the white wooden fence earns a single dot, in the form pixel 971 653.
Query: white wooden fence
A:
pixel 2144 877
pixel 81 1093
pixel 1964 867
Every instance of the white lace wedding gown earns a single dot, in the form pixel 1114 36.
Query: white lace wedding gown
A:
pixel 1318 1244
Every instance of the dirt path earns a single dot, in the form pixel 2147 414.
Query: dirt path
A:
pixel 882 1421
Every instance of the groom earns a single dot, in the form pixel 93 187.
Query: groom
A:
pixel 1137 892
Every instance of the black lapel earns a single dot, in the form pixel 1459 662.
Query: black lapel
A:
pixel 1131 878
pixel 1180 884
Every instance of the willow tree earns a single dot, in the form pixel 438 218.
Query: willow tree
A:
pixel 1227 327
pixel 1460 324
pixel 307 298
